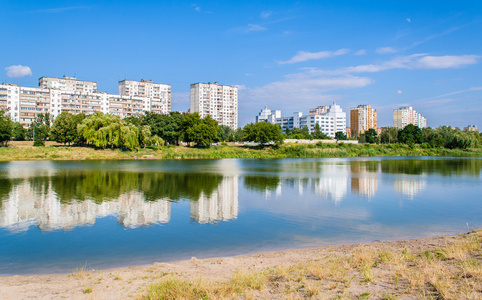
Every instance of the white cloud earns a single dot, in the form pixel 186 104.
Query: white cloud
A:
pixel 361 52
pixel 385 50
pixel 399 92
pixel 412 62
pixel 304 56
pixel 447 61
pixel 266 14
pixel 409 20
pixel 18 71
pixel 254 27
pixel 303 87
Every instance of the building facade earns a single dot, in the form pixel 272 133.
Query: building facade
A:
pixel 56 95
pixel 331 119
pixel 362 118
pixel 146 89
pixel 407 115
pixel 471 128
pixel 218 101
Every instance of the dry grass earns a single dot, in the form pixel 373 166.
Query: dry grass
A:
pixel 453 271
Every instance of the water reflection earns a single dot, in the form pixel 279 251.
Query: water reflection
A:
pixel 53 196
pixel 364 178
pixel 67 199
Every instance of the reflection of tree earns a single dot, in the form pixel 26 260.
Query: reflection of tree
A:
pixel 6 186
pixel 102 186
pixel 446 167
pixel 261 183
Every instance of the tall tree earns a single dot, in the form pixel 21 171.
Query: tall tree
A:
pixel 411 134
pixel 6 126
pixel 263 133
pixel 225 134
pixel 340 136
pixel 19 132
pixel 64 128
pixel 371 136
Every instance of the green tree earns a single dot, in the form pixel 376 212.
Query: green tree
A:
pixel 371 136
pixel 39 129
pixel 108 130
pixel 340 136
pixel 411 134
pixel 18 132
pixel 389 135
pixel 226 134
pixel 238 134
pixel 203 133
pixel 6 127
pixel 263 133
pixel 64 128
pixel 166 126
pixel 188 121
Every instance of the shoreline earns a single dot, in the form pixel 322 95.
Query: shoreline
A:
pixel 24 151
pixel 378 269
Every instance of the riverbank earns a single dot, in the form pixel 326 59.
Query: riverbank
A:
pixel 19 151
pixel 432 268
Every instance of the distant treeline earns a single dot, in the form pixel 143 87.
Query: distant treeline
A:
pixel 152 130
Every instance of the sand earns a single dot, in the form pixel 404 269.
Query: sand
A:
pixel 133 282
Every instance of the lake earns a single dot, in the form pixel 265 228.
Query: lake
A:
pixel 57 216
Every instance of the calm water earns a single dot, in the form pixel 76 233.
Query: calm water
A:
pixel 56 216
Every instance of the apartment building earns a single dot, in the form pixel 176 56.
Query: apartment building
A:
pixel 147 89
pixel 331 119
pixel 407 115
pixel 319 110
pixel 56 95
pixel 218 101
pixel 66 83
pixel 362 118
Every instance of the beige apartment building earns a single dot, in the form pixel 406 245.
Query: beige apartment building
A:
pixel 407 115
pixel 362 118
pixel 160 93
pixel 56 95
pixel 67 84
pixel 218 101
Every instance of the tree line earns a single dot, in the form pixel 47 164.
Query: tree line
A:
pixel 152 129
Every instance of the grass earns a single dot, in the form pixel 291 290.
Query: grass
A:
pixel 53 151
pixel 81 272
pixel 453 271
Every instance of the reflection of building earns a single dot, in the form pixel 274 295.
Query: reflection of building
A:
pixel 364 181
pixel 409 187
pixel 24 207
pixel 221 205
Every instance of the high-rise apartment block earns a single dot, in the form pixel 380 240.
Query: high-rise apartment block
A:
pixel 407 115
pixel 331 120
pixel 146 89
pixel 56 95
pixel 67 84
pixel 218 101
pixel 362 118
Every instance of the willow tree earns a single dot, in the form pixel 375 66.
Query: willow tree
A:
pixel 108 130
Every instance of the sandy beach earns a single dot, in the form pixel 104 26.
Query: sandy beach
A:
pixel 379 270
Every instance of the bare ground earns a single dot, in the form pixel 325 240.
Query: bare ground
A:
pixel 432 268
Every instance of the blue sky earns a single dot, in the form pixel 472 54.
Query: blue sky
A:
pixel 287 55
